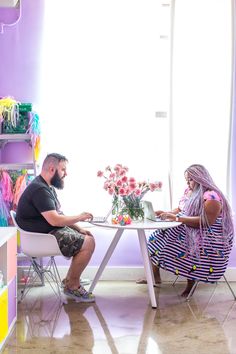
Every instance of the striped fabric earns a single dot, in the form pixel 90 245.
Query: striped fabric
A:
pixel 168 250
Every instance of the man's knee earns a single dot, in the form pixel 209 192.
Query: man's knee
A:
pixel 89 243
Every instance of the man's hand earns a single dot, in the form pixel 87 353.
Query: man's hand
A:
pixel 81 230
pixel 60 220
pixel 85 216
pixel 85 232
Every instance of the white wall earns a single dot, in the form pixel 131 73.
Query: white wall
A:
pixel 105 74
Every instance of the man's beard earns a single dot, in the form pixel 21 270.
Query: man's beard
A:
pixel 57 181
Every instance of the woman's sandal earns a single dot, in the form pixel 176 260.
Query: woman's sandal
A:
pixel 190 284
pixel 144 281
pixel 141 281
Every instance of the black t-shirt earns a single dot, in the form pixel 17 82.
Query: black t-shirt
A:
pixel 36 198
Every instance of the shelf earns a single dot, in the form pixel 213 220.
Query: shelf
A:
pixel 17 166
pixel 21 256
pixel 6 233
pixel 15 137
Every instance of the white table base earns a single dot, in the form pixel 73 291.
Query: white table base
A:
pixel 146 263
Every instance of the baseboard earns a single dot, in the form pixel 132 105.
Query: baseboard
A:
pixel 125 273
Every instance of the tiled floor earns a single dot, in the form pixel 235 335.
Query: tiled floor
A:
pixel 122 321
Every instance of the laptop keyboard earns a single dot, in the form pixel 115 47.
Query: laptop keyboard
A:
pixel 98 219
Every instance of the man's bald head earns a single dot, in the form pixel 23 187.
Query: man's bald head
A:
pixel 54 170
pixel 52 160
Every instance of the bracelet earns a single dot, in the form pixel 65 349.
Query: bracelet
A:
pixel 177 218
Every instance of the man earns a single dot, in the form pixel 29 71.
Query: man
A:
pixel 39 211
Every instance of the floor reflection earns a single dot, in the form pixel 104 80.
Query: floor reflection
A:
pixel 122 321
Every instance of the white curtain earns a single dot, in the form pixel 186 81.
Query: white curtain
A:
pixel 202 69
pixel 106 77
pixel 103 79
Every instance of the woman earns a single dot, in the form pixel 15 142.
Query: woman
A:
pixel 199 248
pixel 159 213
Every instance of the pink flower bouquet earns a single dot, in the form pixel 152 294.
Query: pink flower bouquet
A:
pixel 119 185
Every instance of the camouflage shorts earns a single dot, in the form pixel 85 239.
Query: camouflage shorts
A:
pixel 69 240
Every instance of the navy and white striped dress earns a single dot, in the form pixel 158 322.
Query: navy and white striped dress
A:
pixel 167 249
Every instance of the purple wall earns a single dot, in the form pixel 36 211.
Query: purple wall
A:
pixel 19 77
pixel 17 152
pixel 19 52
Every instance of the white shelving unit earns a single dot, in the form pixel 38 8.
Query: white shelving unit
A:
pixel 8 294
pixel 31 167
pixel 18 138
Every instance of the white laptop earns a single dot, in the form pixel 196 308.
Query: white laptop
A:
pixel 149 212
pixel 101 219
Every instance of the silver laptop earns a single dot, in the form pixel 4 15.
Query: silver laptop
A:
pixel 101 219
pixel 149 212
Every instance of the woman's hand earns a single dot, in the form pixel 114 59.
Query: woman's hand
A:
pixel 174 211
pixel 167 216
pixel 159 212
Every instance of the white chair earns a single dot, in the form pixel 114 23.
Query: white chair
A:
pixel 36 246
pixel 198 281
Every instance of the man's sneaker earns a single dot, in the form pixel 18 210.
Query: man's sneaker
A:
pixel 83 281
pixel 80 295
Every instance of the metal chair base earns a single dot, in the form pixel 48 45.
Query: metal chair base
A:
pixel 196 284
pixel 38 271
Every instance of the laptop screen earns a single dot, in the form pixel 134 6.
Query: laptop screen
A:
pixel 149 212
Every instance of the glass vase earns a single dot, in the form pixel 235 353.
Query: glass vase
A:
pixel 134 208
pixel 117 210
pixel 136 213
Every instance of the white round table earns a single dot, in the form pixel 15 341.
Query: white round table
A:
pixel 140 228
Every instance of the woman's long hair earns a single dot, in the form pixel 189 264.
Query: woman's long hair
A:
pixel 195 207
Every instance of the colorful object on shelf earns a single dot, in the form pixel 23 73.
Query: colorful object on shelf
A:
pixel 7 106
pixel 37 148
pixel 6 186
pixel 18 118
pixel 34 130
pixel 19 189
pixel 12 185
pixel 9 114
pixel 25 107
pixel 7 102
pixel 4 212
pixel 21 183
